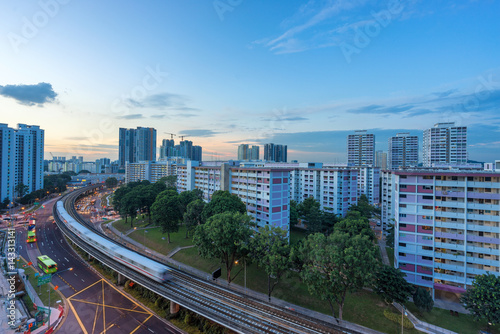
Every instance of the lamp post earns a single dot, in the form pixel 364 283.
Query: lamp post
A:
pixel 55 288
pixel 145 231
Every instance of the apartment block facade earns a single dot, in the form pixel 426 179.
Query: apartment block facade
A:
pixel 445 143
pixel 361 149
pixel 447 227
pixel 136 145
pixel 148 170
pixel 403 151
pixel 21 158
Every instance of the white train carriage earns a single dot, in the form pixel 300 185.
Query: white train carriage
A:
pixel 135 261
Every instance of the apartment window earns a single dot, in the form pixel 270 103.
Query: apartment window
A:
pixel 428 258
pixel 402 225
pixel 426 238
pixel 425 278
pixel 427 197
pixel 427 207
pixel 403 186
pixel 402 215
pixel 402 244
pixel 427 228
pixel 427 187
pixel 402 196
pixel 402 205
pixel 429 248
pixel 454 178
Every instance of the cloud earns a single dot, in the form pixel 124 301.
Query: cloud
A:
pixel 131 116
pixel 199 133
pixel 162 101
pixel 445 93
pixel 30 95
pixel 158 116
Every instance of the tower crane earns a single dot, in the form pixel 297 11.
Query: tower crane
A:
pixel 182 137
pixel 171 134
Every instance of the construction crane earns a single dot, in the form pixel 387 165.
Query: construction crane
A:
pixel 182 137
pixel 171 134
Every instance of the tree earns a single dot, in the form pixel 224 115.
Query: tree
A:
pixel 337 264
pixel 187 197
pixel 224 236
pixel 355 224
pixel 294 215
pixel 129 206
pixel 423 300
pixel 84 171
pixel 5 203
pixel 170 181
pixel 21 189
pixel 270 248
pixel 223 201
pixel 166 212
pixel 192 217
pixel 307 206
pixel 70 173
pixel 363 207
pixel 111 182
pixel 390 284
pixel 483 299
pixel 390 235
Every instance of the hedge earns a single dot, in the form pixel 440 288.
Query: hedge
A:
pixel 397 318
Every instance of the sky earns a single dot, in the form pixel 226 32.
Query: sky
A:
pixel 226 72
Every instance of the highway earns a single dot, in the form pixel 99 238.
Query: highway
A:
pixel 231 309
pixel 95 306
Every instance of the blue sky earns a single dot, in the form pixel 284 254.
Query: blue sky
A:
pixel 225 72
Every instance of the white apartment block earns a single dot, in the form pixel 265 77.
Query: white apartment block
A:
pixel 445 143
pixel 361 149
pixel 21 158
pixel 403 151
pixel 151 171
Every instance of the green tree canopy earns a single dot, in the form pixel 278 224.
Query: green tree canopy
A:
pixel 170 181
pixel 192 217
pixel 21 189
pixel 225 236
pixel 390 284
pixel 223 201
pixel 355 224
pixel 189 196
pixel 483 298
pixel 294 215
pixel 337 264
pixel 70 173
pixel 84 171
pixel 271 249
pixel 166 211
pixel 111 182
pixel 423 300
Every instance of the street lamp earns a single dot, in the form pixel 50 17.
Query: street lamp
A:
pixel 145 231
pixel 55 288
pixel 245 271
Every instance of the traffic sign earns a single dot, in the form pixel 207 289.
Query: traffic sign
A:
pixel 44 279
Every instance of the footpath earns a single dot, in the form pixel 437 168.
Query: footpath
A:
pixel 167 259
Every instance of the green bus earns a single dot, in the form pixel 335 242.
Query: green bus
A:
pixel 31 236
pixel 47 265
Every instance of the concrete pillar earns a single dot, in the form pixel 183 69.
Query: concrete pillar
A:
pixel 174 307
pixel 121 279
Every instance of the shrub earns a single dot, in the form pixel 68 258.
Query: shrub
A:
pixel 397 318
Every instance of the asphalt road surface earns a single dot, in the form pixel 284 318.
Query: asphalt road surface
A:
pixel 94 305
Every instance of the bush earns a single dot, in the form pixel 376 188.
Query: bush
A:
pixel 397 318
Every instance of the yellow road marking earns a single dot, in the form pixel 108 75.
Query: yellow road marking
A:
pixel 110 306
pixel 85 289
pixel 77 317
pixel 103 309
pixel 95 319
pixel 141 324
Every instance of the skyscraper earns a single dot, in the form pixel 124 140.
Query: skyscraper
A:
pixel 197 153
pixel 166 148
pixel 403 151
pixel 136 145
pixel 275 152
pixel 21 158
pixel 243 152
pixel 254 153
pixel 360 149
pixel 381 160
pixel 445 143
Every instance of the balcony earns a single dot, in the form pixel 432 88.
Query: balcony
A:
pixel 483 250
pixel 450 256
pixel 486 217
pixel 482 206
pixel 451 246
pixel 451 278
pixel 484 228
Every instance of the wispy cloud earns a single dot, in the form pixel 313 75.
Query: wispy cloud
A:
pixel 131 116
pixel 30 95
pixel 199 133
pixel 162 101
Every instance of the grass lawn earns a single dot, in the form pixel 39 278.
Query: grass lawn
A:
pixel 442 318
pixel 43 291
pixel 140 221
pixel 390 255
pixel 153 239
pixel 364 308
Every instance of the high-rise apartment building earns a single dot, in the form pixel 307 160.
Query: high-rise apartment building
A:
pixel 445 143
pixel 447 227
pixel 245 152
pixel 166 148
pixel 275 152
pixel 403 151
pixel 361 149
pixel 136 145
pixel 21 158
pixel 381 160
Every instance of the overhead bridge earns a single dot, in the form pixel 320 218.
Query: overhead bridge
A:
pixel 236 311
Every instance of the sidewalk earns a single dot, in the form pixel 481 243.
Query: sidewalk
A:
pixel 223 283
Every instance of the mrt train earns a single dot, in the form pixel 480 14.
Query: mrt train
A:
pixel 133 260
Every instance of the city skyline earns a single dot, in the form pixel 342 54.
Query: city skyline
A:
pixel 302 76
